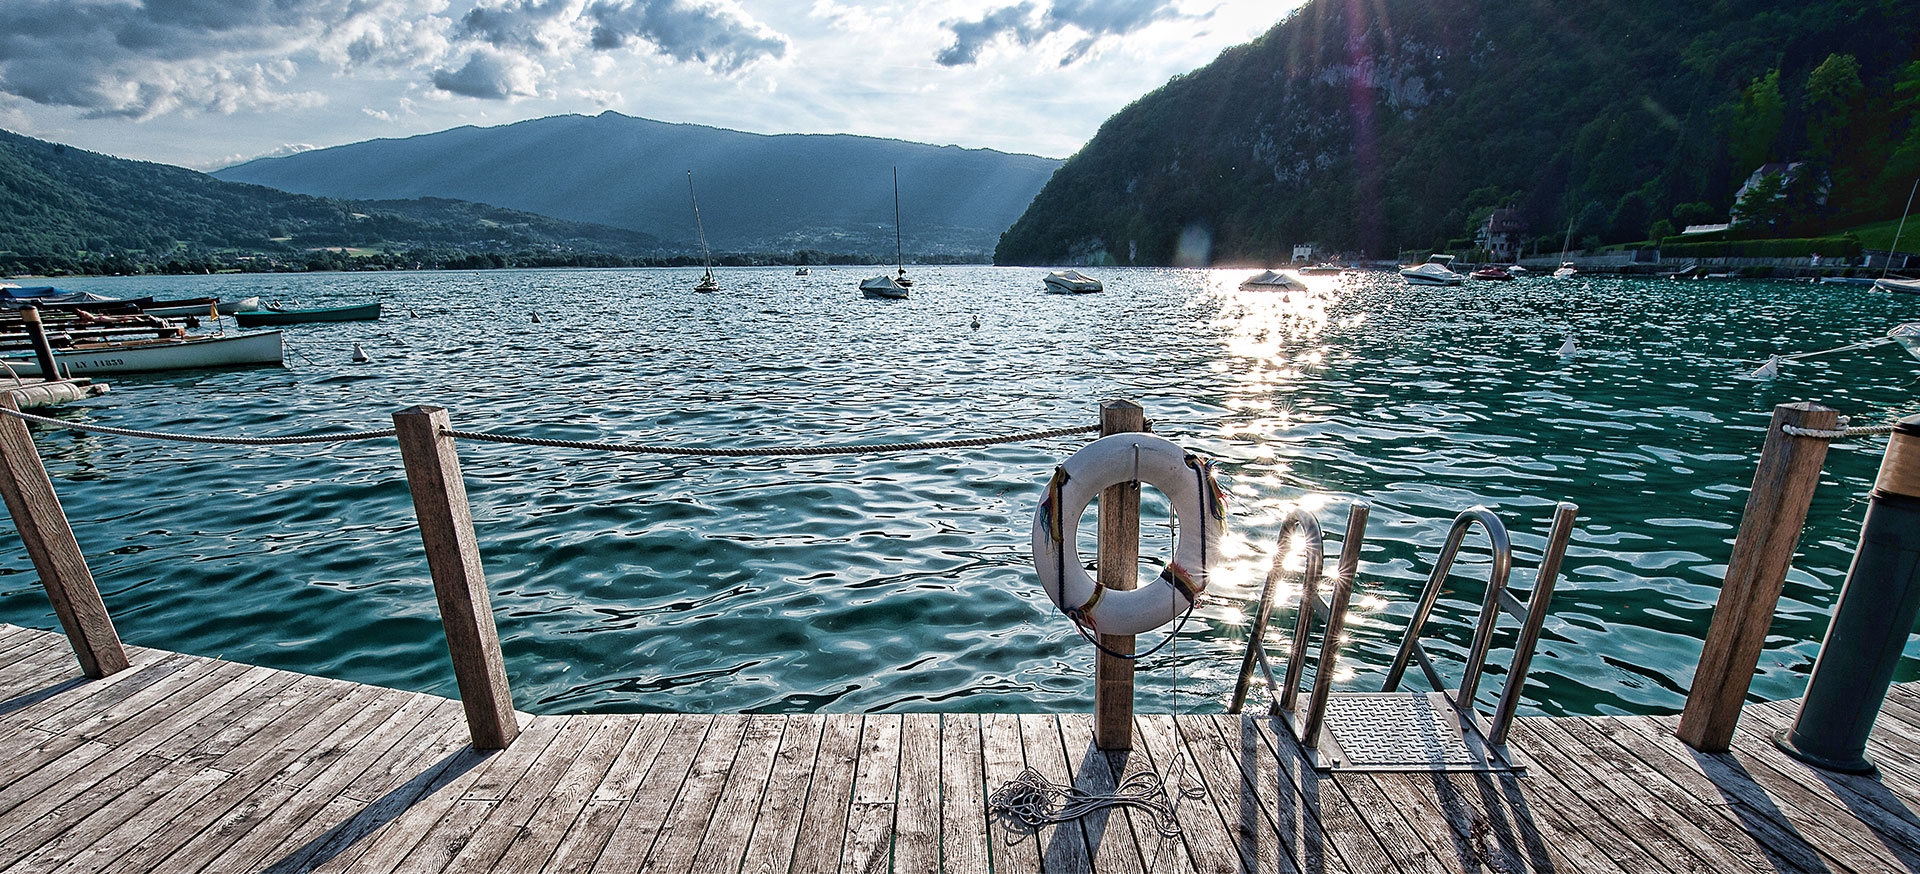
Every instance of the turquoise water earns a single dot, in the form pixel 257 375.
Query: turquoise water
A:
pixel 902 582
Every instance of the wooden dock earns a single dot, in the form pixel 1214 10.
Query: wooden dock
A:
pixel 186 764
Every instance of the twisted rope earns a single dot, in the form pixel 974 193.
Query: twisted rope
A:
pixel 1836 433
pixel 492 437
pixel 202 438
pixel 1031 801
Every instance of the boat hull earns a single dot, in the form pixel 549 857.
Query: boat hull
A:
pixel 363 313
pixel 883 286
pixel 1904 286
pixel 1071 282
pixel 155 356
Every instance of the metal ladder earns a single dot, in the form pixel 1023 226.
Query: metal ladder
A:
pixel 1391 730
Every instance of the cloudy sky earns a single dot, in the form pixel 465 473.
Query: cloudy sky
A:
pixel 206 83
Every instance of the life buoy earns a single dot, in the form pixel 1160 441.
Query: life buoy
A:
pixel 1187 481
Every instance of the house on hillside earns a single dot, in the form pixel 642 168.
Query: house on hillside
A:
pixel 1303 252
pixel 1500 236
pixel 1768 193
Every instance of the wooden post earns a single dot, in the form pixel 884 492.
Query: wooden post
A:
pixel 1118 568
pixel 459 584
pixel 56 555
pixel 1762 552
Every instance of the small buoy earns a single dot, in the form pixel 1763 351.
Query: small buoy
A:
pixel 360 355
pixel 1568 349
pixel 1768 370
pixel 536 318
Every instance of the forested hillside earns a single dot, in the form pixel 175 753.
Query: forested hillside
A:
pixel 758 192
pixel 1372 128
pixel 70 210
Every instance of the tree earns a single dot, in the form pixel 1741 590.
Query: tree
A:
pixel 1764 207
pixel 1661 230
pixel 1833 96
pixel 1756 123
pixel 1694 213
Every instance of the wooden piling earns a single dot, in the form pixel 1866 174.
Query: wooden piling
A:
pixel 459 584
pixel 56 555
pixel 1118 568
pixel 1762 552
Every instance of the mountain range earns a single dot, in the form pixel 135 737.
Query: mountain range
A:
pixel 757 192
pixel 1392 125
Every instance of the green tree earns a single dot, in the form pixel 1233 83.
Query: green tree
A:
pixel 1756 124
pixel 1832 97
pixel 1763 208
pixel 1661 230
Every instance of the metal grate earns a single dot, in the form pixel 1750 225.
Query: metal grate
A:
pixel 1396 730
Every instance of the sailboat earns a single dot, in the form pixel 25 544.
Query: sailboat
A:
pixel 1566 270
pixel 1911 286
pixel 707 282
pixel 884 285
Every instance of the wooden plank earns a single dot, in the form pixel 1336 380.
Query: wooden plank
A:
pixel 1106 839
pixel 1065 847
pixel 1770 525
pixel 1645 795
pixel 419 830
pixel 626 850
pixel 1318 828
pixel 534 844
pixel 1862 808
pixel 1210 845
pixel 591 830
pixel 1250 832
pixel 823 827
pixel 725 841
pixel 1624 823
pixel 93 840
pixel 776 827
pixel 33 662
pixel 692 812
pixel 220 818
pixel 916 841
pixel 876 782
pixel 1102 771
pixel 1011 848
pixel 89 698
pixel 1520 817
pixel 1747 800
pixel 508 808
pixel 459 581
pixel 56 556
pixel 963 794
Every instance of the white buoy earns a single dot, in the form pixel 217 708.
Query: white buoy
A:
pixel 1568 349
pixel 360 355
pixel 1768 370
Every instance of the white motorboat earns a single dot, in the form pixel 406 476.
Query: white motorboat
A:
pixel 150 356
pixel 243 305
pixel 1272 280
pixel 1909 286
pixel 882 286
pixel 1072 282
pixel 1908 336
pixel 1566 271
pixel 1437 271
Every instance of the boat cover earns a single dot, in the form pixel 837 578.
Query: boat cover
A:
pixel 47 295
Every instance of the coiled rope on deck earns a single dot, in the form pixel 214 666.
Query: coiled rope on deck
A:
pixel 1030 800
pixel 205 438
pixel 856 449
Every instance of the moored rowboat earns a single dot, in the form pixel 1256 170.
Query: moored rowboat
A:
pixel 361 313
pixel 148 356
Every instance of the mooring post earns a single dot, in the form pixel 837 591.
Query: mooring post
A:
pixel 1118 568
pixel 56 555
pixel 42 349
pixel 1762 552
pixel 1871 620
pixel 459 584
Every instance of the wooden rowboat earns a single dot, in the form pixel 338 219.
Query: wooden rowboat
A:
pixel 361 313
pixel 150 356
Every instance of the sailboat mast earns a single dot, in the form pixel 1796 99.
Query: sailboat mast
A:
pixel 1883 268
pixel 706 258
pixel 899 260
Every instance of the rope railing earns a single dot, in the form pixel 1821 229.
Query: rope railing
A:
pixel 492 437
pixel 855 449
pixel 1836 433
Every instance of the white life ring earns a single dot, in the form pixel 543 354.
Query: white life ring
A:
pixel 1187 481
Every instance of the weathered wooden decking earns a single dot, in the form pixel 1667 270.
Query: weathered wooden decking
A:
pixel 186 764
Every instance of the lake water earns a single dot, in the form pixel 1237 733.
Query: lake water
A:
pixel 903 582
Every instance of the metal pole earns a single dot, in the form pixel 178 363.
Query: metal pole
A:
pixel 1871 621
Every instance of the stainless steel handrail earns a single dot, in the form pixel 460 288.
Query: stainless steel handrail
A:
pixel 1309 527
pixel 1530 627
pixel 1502 550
